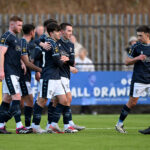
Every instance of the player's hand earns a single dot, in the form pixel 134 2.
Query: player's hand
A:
pixel 141 57
pixel 37 76
pixel 64 58
pixel 73 70
pixel 2 75
pixel 23 66
pixel 46 45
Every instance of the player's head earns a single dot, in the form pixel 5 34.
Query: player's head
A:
pixel 53 30
pixel 143 33
pixel 29 29
pixel 46 22
pixel 15 24
pixel 66 30
pixel 39 30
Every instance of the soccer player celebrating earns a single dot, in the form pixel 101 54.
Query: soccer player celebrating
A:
pixel 10 70
pixel 66 49
pixel 50 83
pixel 25 80
pixel 139 55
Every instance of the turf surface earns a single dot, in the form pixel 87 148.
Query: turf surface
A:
pixel 99 135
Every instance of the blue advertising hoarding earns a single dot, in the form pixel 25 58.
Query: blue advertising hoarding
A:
pixel 100 88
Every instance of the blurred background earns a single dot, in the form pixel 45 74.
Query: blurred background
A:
pixel 103 31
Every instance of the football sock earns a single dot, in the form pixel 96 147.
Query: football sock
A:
pixel 57 113
pixel 124 113
pixel 28 114
pixel 15 110
pixel 66 114
pixel 37 112
pixel 51 109
pixel 4 112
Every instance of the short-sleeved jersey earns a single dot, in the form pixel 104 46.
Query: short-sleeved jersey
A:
pixel 42 38
pixel 141 71
pixel 66 48
pixel 12 64
pixel 51 61
pixel 25 50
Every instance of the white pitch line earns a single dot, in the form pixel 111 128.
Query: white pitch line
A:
pixel 130 128
pixel 134 128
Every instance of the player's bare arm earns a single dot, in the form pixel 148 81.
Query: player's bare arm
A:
pixel 131 61
pixel 73 69
pixel 3 50
pixel 25 59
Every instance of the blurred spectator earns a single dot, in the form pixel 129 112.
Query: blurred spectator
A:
pixel 84 67
pixel 39 31
pixel 132 41
pixel 77 45
pixel 84 61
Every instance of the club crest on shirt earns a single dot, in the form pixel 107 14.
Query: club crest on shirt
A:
pixel 56 50
pixel 24 50
pixel 2 40
pixel 18 48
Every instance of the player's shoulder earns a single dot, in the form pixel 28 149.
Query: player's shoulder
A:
pixel 7 35
pixel 71 43
pixel 136 45
pixel 23 40
pixel 43 36
pixel 38 48
pixel 51 41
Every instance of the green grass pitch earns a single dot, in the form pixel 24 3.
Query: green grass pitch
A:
pixel 99 135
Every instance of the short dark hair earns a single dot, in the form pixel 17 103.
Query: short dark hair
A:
pixel 143 28
pixel 46 22
pixel 64 25
pixel 15 18
pixel 53 27
pixel 27 28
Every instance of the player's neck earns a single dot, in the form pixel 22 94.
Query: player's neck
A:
pixel 27 37
pixel 12 31
pixel 53 38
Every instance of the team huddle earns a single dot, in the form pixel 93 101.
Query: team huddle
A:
pixel 53 60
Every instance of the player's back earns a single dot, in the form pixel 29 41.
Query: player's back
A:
pixel 25 50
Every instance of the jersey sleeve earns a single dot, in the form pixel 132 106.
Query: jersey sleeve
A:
pixel 71 56
pixel 4 40
pixel 132 52
pixel 41 39
pixel 24 50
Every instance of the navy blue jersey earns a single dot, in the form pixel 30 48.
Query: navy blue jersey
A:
pixel 38 57
pixel 141 71
pixel 42 38
pixel 66 48
pixel 38 50
pixel 25 50
pixel 12 64
pixel 51 61
pixel 32 46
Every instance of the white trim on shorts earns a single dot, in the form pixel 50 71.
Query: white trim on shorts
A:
pixel 15 85
pixel 140 89
pixel 53 88
pixel 66 84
